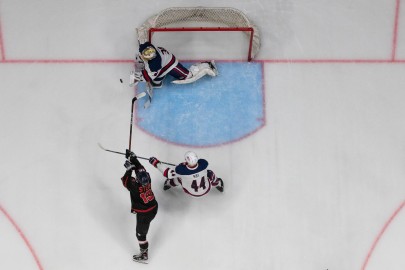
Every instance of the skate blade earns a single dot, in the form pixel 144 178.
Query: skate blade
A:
pixel 144 262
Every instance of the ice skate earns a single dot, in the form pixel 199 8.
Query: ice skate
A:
pixel 142 257
pixel 213 68
pixel 220 185
pixel 167 185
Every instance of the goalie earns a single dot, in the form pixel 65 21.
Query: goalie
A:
pixel 153 64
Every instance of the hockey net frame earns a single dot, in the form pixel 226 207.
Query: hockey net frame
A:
pixel 227 19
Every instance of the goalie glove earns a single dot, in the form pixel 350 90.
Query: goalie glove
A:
pixel 135 77
pixel 139 63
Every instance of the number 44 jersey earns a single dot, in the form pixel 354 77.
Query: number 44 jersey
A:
pixel 194 180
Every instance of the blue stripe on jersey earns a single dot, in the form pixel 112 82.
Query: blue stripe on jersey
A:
pixel 184 170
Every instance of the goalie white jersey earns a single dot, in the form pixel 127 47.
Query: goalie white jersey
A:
pixel 153 64
pixel 195 181
pixel 164 63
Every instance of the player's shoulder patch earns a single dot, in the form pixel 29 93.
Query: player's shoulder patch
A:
pixel 184 170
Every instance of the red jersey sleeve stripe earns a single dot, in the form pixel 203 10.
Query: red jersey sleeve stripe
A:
pixel 165 68
pixel 166 172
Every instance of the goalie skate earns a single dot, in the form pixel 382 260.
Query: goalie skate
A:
pixel 213 67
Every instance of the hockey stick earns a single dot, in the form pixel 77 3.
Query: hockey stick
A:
pixel 130 124
pixel 121 153
pixel 138 96
pixel 149 91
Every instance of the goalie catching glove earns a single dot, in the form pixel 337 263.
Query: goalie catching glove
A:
pixel 135 77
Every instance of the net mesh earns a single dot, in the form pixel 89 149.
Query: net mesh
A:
pixel 182 16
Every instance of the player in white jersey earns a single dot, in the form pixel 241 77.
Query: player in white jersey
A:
pixel 153 64
pixel 193 175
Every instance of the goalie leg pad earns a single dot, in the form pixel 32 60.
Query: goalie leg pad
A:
pixel 197 71
pixel 179 72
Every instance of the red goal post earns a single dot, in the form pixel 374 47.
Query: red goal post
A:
pixel 218 19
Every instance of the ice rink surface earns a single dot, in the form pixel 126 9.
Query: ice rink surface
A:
pixel 318 184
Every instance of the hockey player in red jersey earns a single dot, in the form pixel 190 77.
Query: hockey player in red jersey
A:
pixel 143 202
pixel 193 175
pixel 153 64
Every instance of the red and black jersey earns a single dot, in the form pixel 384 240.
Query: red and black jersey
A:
pixel 142 197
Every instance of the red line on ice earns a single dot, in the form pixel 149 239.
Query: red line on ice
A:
pixel 370 253
pixel 66 61
pixel 2 51
pixel 24 238
pixel 334 61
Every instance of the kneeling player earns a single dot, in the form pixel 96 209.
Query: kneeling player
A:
pixel 193 175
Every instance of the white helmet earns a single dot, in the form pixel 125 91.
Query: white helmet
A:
pixel 191 158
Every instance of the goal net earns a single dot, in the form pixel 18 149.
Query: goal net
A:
pixel 201 19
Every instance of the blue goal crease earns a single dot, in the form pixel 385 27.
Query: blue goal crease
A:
pixel 209 112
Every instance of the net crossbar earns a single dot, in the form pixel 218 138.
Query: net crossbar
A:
pixel 219 19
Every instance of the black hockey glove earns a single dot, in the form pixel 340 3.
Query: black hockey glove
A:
pixel 128 165
pixel 129 154
pixel 154 161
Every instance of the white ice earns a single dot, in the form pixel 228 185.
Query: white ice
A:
pixel 321 186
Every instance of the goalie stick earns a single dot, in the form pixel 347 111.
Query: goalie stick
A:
pixel 149 91
pixel 121 153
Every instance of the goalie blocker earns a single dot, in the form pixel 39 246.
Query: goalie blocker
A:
pixel 153 64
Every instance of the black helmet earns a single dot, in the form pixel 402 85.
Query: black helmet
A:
pixel 143 178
